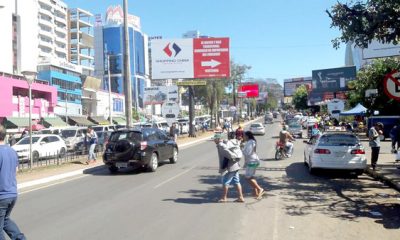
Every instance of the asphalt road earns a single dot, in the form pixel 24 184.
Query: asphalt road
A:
pixel 179 201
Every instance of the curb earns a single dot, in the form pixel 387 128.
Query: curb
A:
pixel 384 178
pixel 74 173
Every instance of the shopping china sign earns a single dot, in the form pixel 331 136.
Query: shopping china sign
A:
pixel 190 58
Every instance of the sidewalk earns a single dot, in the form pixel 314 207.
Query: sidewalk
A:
pixel 386 170
pixel 43 175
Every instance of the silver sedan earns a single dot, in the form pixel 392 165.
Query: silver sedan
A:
pixel 257 129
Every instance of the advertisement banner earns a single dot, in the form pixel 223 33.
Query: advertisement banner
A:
pixel 160 94
pixel 332 80
pixel 248 91
pixel 290 85
pixel 172 58
pixel 190 58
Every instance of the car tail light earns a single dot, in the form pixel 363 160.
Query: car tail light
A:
pixel 143 145
pixel 322 151
pixel 358 151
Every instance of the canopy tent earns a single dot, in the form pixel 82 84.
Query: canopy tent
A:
pixel 100 120
pixel 80 121
pixel 119 120
pixel 16 122
pixel 359 110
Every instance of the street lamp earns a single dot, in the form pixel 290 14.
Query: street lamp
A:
pixel 30 77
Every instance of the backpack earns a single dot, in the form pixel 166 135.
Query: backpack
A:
pixel 234 151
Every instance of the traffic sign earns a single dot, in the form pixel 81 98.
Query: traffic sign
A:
pixel 211 57
pixel 392 85
pixel 191 83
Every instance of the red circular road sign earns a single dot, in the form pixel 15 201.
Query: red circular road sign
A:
pixel 392 85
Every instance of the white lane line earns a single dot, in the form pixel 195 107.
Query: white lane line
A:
pixel 52 184
pixel 276 218
pixel 174 177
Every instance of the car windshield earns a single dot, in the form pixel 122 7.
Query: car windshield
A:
pixel 68 133
pixel 47 131
pixel 98 129
pixel 338 140
pixel 294 125
pixel 164 125
pixel 255 125
pixel 134 136
pixel 25 140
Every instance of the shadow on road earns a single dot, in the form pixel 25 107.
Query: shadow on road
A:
pixel 339 195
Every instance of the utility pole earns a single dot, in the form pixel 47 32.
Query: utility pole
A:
pixel 127 70
pixel 192 132
pixel 109 88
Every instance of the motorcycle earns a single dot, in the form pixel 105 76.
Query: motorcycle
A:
pixel 281 151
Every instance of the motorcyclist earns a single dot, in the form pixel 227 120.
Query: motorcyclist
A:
pixel 284 138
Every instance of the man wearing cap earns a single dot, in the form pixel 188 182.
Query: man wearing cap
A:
pixel 229 170
pixel 374 142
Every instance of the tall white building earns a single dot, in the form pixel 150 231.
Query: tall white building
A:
pixel 81 40
pixel 18 41
pixel 53 30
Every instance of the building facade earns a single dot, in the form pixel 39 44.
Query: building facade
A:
pixel 66 77
pixel 81 50
pixel 15 98
pixel 53 30
pixel 111 50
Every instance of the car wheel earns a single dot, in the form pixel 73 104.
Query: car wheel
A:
pixel 113 169
pixel 359 172
pixel 35 156
pixel 153 164
pixel 61 154
pixel 174 157
pixel 278 155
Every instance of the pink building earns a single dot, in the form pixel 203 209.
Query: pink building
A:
pixel 14 100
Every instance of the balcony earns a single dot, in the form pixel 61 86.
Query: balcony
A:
pixel 61 30
pixel 60 40
pixel 46 12
pixel 60 20
pixel 45 22
pixel 48 34
pixel 46 44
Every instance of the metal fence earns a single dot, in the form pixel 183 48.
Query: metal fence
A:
pixel 53 160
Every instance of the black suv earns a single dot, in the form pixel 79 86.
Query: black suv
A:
pixel 144 147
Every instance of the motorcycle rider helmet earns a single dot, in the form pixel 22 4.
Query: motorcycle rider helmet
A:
pixel 285 127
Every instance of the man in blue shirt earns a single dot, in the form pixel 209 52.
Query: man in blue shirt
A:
pixel 8 188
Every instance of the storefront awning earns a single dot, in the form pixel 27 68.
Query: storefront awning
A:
pixel 119 120
pixel 16 122
pixel 99 120
pixel 53 122
pixel 81 121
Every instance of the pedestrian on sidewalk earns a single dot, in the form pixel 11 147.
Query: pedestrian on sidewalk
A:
pixel 375 142
pixel 251 162
pixel 229 169
pixel 394 133
pixel 173 132
pixel 8 189
pixel 92 140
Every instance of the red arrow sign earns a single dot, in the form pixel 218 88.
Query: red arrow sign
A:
pixel 211 57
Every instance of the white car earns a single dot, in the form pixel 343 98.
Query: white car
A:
pixel 335 150
pixel 43 145
pixel 309 121
pixel 257 129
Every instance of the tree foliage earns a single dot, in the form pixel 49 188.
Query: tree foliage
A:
pixel 372 77
pixel 300 98
pixel 363 21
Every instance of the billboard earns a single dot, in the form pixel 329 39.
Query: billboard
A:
pixel 330 83
pixel 190 58
pixel 378 50
pixel 290 85
pixel 160 94
pixel 248 91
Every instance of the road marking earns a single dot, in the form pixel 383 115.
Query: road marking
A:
pixel 174 177
pixel 276 212
pixel 52 184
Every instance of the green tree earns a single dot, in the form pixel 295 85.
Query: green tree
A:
pixel 300 98
pixel 371 77
pixel 238 73
pixel 363 21
pixel 212 94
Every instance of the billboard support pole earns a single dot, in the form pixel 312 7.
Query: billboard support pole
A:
pixel 192 132
pixel 127 71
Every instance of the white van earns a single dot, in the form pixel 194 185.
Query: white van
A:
pixel 162 125
pixel 73 135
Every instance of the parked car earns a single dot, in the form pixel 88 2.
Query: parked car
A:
pixel 257 129
pixel 102 128
pixel 335 150
pixel 162 125
pixel 73 135
pixel 145 147
pixel 43 145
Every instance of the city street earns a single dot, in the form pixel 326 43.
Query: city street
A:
pixel 179 201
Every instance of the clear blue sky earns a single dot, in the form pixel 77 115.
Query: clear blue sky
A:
pixel 278 39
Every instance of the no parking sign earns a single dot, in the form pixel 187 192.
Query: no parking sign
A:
pixel 392 85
